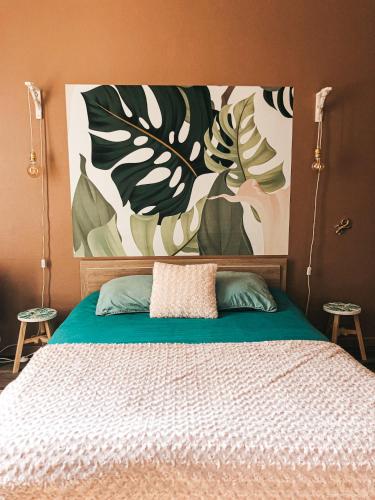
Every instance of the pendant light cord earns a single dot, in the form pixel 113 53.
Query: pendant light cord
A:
pixel 30 122
pixel 43 215
pixel 309 268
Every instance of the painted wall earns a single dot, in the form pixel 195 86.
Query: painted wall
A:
pixel 267 42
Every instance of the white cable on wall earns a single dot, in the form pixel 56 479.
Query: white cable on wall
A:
pixel 309 268
pixel 43 215
pixel 30 122
pixel 317 166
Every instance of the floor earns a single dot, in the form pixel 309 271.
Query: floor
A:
pixel 6 375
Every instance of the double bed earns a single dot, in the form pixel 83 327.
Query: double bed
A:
pixel 251 405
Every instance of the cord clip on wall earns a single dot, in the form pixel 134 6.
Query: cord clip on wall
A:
pixel 318 166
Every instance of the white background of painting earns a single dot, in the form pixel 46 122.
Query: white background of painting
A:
pixel 271 124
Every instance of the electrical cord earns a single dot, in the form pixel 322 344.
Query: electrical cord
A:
pixel 43 261
pixel 317 166
pixel 24 359
pixel 309 268
pixel 4 361
pixel 30 122
pixel 7 347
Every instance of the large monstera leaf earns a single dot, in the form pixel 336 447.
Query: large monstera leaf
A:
pixel 221 231
pixel 161 150
pixel 235 145
pixel 95 232
pixel 143 229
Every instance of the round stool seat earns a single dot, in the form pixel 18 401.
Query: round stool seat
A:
pixel 342 308
pixel 37 314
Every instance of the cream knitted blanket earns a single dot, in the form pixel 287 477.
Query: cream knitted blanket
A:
pixel 285 419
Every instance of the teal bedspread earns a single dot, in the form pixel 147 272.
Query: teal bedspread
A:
pixel 83 326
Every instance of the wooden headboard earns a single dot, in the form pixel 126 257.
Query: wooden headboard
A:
pixel 95 272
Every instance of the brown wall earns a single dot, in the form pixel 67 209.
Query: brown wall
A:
pixel 305 43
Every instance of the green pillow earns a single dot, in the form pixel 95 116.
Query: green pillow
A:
pixel 128 294
pixel 234 290
pixel 243 290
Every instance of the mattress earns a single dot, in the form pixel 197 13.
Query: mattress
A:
pixel 161 420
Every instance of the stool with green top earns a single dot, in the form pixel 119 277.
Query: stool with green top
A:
pixel 41 315
pixel 338 309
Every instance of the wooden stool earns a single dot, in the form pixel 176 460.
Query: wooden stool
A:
pixel 338 309
pixel 40 315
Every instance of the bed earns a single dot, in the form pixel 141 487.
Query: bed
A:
pixel 251 405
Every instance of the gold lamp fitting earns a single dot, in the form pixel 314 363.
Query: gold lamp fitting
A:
pixel 317 164
pixel 33 170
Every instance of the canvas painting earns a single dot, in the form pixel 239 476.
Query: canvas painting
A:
pixel 179 170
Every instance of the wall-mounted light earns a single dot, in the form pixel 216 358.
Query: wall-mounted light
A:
pixel 36 94
pixel 320 98
pixel 33 168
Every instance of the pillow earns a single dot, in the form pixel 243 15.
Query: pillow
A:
pixel 234 290
pixel 243 290
pixel 129 294
pixel 183 291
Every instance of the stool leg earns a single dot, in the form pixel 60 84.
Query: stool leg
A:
pixel 329 325
pixel 21 338
pixel 48 329
pixel 360 337
pixel 335 328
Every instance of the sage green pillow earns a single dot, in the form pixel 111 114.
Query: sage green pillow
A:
pixel 128 294
pixel 234 290
pixel 243 290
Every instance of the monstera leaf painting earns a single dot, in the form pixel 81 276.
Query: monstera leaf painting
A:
pixel 241 147
pixel 158 170
pixel 162 137
pixel 94 221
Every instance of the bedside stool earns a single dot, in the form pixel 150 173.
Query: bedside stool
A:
pixel 40 315
pixel 338 309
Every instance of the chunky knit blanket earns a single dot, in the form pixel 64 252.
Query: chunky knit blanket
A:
pixel 285 419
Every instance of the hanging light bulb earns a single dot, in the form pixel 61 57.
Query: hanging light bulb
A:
pixel 317 164
pixel 33 169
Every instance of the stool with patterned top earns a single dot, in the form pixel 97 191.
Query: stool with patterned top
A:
pixel 338 309
pixel 40 315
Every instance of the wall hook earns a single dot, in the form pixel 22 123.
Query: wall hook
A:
pixel 343 226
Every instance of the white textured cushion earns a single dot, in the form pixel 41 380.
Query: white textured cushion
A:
pixel 183 291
